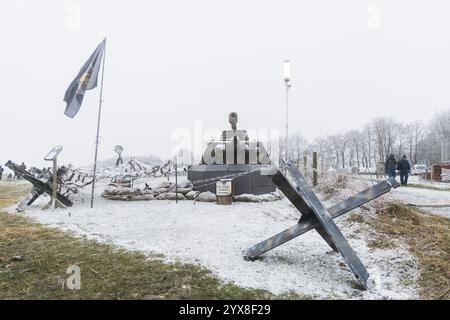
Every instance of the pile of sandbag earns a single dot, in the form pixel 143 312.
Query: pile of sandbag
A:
pixel 163 191
pixel 267 197
pixel 115 192
pixel 166 191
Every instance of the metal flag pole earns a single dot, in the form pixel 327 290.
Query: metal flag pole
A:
pixel 288 86
pixel 287 78
pixel 98 126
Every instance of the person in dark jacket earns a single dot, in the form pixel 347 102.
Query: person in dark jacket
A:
pixel 23 167
pixel 390 166
pixel 1 172
pixel 404 168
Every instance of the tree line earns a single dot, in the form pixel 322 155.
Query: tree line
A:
pixel 370 145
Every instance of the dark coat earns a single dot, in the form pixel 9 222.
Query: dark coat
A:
pixel 390 164
pixel 403 166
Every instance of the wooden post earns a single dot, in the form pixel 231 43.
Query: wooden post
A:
pixel 314 165
pixel 55 183
pixel 176 179
pixel 432 173
pixel 304 164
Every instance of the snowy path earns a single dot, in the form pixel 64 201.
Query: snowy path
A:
pixel 215 236
pixel 426 197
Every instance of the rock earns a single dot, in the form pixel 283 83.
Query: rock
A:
pixel 191 195
pixel 148 191
pixel 206 197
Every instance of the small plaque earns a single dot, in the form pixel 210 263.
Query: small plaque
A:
pixel 224 187
pixel 53 153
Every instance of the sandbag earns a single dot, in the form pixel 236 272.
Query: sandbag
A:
pixel 206 196
pixel 191 195
pixel 183 190
pixel 185 184
pixel 170 196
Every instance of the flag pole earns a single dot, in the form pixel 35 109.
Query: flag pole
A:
pixel 98 126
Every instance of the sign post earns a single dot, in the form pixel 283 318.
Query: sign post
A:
pixel 53 156
pixel 224 191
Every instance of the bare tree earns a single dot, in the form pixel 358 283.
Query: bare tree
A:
pixel 375 141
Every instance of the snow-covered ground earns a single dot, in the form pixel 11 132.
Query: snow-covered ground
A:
pixel 433 201
pixel 214 236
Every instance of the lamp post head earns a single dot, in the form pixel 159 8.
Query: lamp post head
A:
pixel 287 70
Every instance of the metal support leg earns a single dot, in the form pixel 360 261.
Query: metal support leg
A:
pixel 309 205
pixel 29 198
pixel 328 225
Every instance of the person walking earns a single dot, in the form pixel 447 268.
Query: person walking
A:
pixel 390 166
pixel 23 167
pixel 404 168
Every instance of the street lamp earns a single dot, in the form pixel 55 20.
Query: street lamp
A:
pixel 287 78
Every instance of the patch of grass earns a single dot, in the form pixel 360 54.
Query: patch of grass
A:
pixel 428 238
pixel 107 272
pixel 381 242
pixel 355 217
pixel 11 191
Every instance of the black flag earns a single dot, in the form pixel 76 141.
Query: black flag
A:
pixel 85 80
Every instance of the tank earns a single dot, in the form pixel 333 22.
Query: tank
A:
pixel 233 156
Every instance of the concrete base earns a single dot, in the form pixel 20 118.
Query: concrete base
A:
pixel 253 183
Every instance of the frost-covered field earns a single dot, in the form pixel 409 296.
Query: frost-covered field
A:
pixel 214 236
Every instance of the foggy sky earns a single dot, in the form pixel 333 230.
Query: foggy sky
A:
pixel 170 63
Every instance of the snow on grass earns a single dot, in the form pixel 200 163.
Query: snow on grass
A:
pixel 426 198
pixel 215 236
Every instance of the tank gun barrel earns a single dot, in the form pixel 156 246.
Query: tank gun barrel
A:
pixel 233 119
